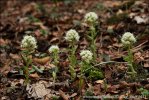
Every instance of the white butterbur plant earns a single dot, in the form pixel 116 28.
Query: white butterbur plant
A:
pixel 86 67
pixel 128 40
pixel 86 56
pixel 54 50
pixel 91 20
pixel 28 45
pixel 72 37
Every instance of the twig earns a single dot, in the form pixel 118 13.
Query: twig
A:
pixel 109 62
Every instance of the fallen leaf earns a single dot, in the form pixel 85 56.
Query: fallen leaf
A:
pixel 73 95
pixel 37 90
pixel 3 42
pixel 139 20
pixel 146 65
pixel 42 61
pixel 138 57
pixel 35 75
pixel 14 56
pixel 63 95
pixel 99 81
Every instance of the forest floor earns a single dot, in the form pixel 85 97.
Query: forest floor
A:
pixel 48 21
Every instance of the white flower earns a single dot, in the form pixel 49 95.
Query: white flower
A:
pixel 128 38
pixel 54 49
pixel 86 55
pixel 72 35
pixel 91 17
pixel 29 43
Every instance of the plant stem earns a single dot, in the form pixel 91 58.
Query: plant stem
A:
pixel 93 42
pixel 27 62
pixel 26 72
pixel 81 76
pixel 72 60
pixel 130 55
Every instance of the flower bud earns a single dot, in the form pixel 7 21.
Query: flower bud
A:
pixel 128 38
pixel 91 18
pixel 29 43
pixel 54 49
pixel 86 55
pixel 72 35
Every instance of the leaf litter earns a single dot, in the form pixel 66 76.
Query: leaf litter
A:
pixel 49 21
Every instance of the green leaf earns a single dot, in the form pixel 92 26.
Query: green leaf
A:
pixel 44 32
pixel 32 70
pixel 126 58
pixel 33 19
pixel 89 37
pixel 96 74
pixel 37 69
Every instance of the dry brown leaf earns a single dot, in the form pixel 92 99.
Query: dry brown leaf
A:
pixel 63 95
pixel 41 25
pixel 146 65
pixel 35 75
pixel 56 33
pixel 54 40
pixel 99 81
pixel 147 86
pixel 14 56
pixel 73 95
pixel 3 42
pixel 6 68
pixel 97 89
pixel 138 57
pixel 37 90
pixel 121 97
pixel 109 3
pixel 42 61
pixel 113 89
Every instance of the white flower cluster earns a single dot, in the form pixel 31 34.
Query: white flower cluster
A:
pixel 29 43
pixel 72 35
pixel 91 17
pixel 128 38
pixel 86 55
pixel 54 49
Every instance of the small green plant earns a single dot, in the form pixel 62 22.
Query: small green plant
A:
pixel 44 32
pixel 95 74
pixel 87 57
pixel 72 37
pixel 33 19
pixel 54 50
pixel 55 97
pixel 28 45
pixel 91 20
pixel 128 40
pixel 144 92
pixel 89 92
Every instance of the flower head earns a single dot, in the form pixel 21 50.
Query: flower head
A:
pixel 54 49
pixel 86 55
pixel 29 43
pixel 72 35
pixel 128 38
pixel 91 17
